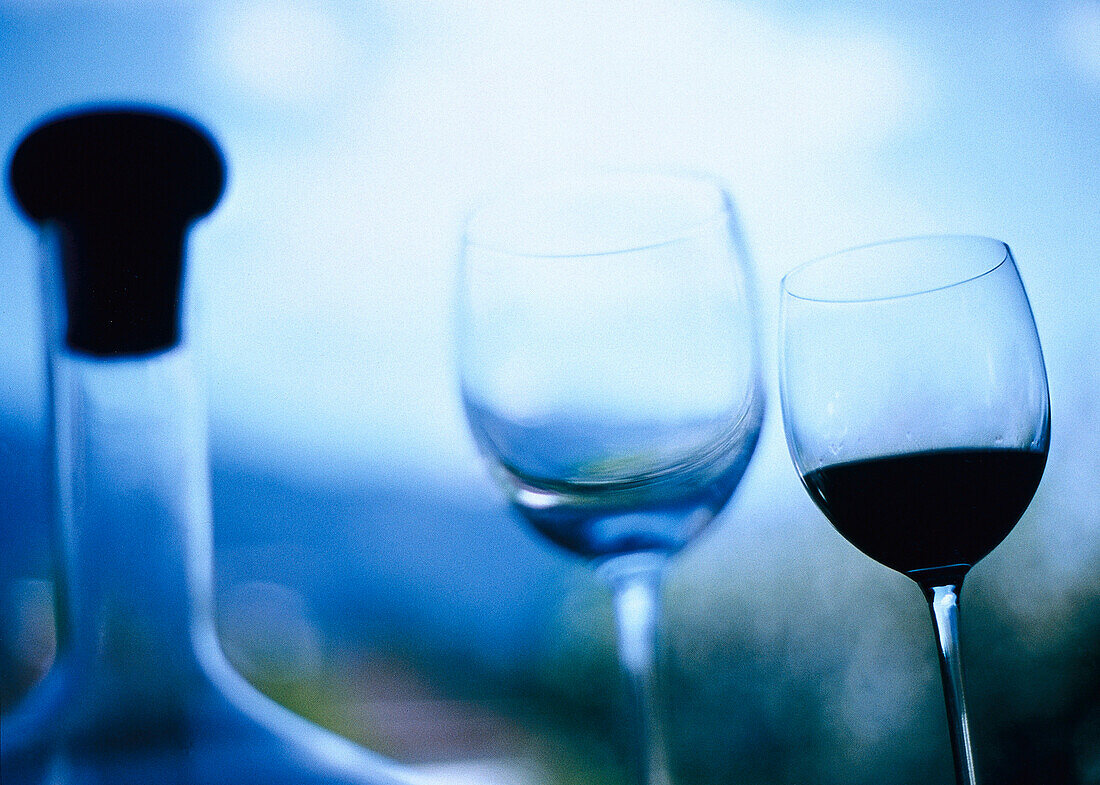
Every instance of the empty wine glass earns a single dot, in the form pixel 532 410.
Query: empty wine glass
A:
pixel 916 411
pixel 609 371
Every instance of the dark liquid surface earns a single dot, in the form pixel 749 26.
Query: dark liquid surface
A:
pixel 928 510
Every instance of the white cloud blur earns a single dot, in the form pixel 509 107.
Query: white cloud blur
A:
pixel 343 246
pixel 277 51
pixel 1079 40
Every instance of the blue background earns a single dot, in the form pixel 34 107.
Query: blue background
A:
pixel 368 574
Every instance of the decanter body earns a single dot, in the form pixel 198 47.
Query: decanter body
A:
pixel 140 691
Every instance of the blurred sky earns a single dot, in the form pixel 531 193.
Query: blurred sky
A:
pixel 358 133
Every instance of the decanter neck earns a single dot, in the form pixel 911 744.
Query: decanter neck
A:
pixel 133 515
pixel 113 191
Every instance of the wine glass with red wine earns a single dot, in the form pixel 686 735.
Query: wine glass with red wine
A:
pixel 916 410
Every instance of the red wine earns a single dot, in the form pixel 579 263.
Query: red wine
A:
pixel 928 510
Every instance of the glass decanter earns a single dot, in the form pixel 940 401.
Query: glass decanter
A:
pixel 140 691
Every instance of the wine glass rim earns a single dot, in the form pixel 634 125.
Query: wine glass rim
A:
pixel 1002 256
pixel 688 229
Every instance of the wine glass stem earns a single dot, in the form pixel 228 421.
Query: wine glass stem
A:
pixel 636 592
pixel 944 602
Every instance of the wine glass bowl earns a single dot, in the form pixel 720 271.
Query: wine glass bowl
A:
pixel 610 377
pixel 916 410
pixel 607 358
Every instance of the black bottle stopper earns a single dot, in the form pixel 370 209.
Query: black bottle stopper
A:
pixel 122 186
